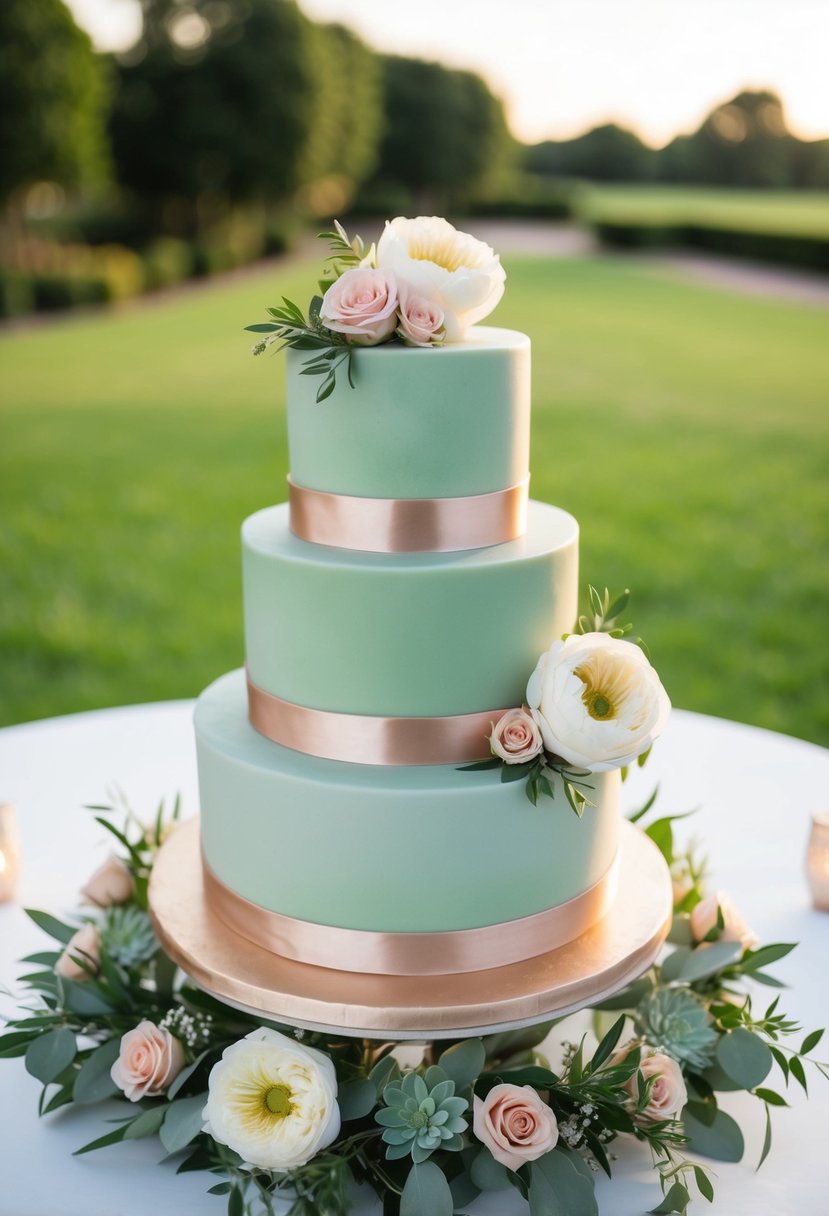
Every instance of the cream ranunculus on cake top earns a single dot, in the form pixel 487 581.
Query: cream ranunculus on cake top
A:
pixel 424 284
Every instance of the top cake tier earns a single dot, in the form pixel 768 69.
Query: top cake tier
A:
pixel 446 422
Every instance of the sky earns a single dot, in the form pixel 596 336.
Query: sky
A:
pixel 563 66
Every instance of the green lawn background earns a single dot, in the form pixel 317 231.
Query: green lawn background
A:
pixel 684 426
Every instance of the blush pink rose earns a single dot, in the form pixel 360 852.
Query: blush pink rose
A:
pixel 515 737
pixel 668 1093
pixel 421 322
pixel 150 1060
pixel 362 305
pixel 86 945
pixel 514 1124
pixel 110 884
pixel 704 919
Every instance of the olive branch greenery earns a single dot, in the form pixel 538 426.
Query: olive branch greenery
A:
pixel 290 327
pixel 692 1006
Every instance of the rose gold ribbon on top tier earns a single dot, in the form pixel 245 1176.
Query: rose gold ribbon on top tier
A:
pixel 362 739
pixel 441 953
pixel 408 525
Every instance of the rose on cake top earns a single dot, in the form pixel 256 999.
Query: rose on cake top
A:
pixel 423 284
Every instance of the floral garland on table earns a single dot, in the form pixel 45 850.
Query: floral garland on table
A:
pixel 594 704
pixel 274 1112
pixel 423 284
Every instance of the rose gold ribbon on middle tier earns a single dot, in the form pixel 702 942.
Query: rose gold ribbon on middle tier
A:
pixel 363 739
pixel 448 952
pixel 408 525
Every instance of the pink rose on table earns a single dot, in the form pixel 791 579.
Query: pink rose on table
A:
pixel 705 915
pixel 150 1060
pixel 421 321
pixel 86 946
pixel 515 737
pixel 110 884
pixel 668 1094
pixel 514 1124
pixel 362 305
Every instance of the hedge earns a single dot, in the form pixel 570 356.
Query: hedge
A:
pixel 784 249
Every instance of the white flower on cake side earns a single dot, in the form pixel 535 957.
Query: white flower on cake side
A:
pixel 273 1101
pixel 597 701
pixel 459 274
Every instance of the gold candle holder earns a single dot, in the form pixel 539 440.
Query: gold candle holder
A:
pixel 9 852
pixel 817 860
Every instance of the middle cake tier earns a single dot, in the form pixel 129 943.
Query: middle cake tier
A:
pixel 415 634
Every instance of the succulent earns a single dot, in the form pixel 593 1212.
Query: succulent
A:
pixel 679 1022
pixel 127 935
pixel 421 1115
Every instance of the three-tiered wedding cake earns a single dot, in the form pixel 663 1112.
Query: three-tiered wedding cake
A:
pixel 394 610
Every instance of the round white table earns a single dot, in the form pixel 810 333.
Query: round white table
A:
pixel 755 791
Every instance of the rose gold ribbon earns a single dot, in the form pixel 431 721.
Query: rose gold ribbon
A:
pixel 376 953
pixel 408 525
pixel 362 739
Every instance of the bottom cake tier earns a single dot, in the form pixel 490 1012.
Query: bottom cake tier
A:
pixel 394 870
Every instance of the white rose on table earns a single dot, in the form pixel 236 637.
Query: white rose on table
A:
pixel 461 275
pixel 362 305
pixel 597 701
pixel 704 917
pixel 273 1101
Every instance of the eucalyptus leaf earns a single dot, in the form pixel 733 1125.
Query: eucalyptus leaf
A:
pixel 385 1070
pixel 811 1041
pixel 83 997
pixel 708 960
pixel 744 1057
pixel 766 1137
pixel 605 1047
pixel 94 1082
pixel 559 1188
pixel 356 1099
pixel 147 1123
pixel 184 1076
pixel 183 1121
pixel 488 1174
pixel 676 1200
pixel 704 1183
pixel 426 1192
pixel 464 1062
pixel 50 1054
pixel 722 1140
pixel 51 925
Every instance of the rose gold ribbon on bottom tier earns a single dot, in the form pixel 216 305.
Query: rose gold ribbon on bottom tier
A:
pixel 408 525
pixel 364 739
pixel 439 953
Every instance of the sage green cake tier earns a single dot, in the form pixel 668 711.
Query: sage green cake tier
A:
pixel 423 849
pixel 438 423
pixel 405 635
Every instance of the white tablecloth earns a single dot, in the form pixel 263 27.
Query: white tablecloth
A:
pixel 755 790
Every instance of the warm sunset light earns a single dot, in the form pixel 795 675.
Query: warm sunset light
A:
pixel 658 66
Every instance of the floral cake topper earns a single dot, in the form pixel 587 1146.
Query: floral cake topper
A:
pixel 422 285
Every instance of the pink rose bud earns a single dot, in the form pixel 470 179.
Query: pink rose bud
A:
pixel 362 305
pixel 668 1093
pixel 704 918
pixel 110 884
pixel 421 321
pixel 515 738
pixel 514 1124
pixel 86 946
pixel 150 1060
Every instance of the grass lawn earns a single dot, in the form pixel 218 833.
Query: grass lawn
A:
pixel 685 427
pixel 799 213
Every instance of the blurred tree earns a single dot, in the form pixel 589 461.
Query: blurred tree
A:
pixel 743 142
pixel 609 153
pixel 53 99
pixel 445 132
pixel 232 101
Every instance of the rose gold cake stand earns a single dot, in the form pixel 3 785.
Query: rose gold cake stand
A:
pixel 606 958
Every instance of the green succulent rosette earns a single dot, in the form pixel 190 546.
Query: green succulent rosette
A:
pixel 127 935
pixel 421 1115
pixel 676 1020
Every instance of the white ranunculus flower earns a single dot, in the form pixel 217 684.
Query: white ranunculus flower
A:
pixel 450 269
pixel 273 1101
pixel 597 701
